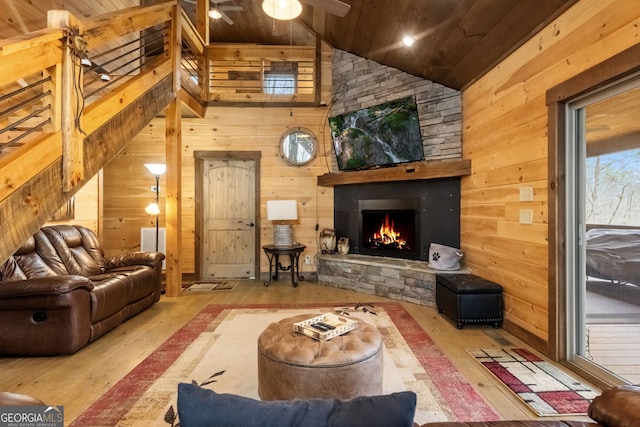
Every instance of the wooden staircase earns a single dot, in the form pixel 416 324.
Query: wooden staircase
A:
pixel 43 165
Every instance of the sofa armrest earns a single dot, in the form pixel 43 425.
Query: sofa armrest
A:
pixel 152 259
pixel 617 407
pixel 51 285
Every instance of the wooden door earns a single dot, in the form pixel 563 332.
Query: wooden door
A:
pixel 228 236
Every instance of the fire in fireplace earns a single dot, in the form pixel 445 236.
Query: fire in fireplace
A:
pixel 387 237
pixel 389 228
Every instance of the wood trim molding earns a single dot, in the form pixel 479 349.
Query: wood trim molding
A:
pixel 615 68
pixel 405 172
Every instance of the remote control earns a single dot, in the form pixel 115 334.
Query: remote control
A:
pixel 326 325
pixel 319 327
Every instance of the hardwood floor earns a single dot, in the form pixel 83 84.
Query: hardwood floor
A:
pixel 77 380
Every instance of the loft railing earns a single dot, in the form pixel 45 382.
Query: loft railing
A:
pixel 192 76
pixel 60 84
pixel 252 73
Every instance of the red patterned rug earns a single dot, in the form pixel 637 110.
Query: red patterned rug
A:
pixel 546 389
pixel 223 338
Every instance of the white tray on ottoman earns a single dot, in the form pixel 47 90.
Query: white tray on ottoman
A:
pixel 341 324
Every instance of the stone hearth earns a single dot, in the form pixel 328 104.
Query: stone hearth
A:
pixel 399 279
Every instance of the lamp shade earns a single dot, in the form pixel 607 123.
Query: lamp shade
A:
pixel 282 210
pixel 282 9
pixel 152 209
pixel 156 168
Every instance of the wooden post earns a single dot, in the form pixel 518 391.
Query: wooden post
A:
pixel 173 204
pixel 202 26
pixel 72 139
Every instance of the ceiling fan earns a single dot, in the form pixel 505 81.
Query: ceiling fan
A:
pixel 334 7
pixel 217 12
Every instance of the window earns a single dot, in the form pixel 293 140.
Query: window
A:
pixel 279 84
pixel 280 77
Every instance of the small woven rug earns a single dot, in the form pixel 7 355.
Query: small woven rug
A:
pixel 218 285
pixel 544 388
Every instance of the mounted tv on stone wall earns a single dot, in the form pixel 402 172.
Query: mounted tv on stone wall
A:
pixel 382 135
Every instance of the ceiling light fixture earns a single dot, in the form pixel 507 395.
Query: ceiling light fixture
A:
pixel 215 13
pixel 408 40
pixel 282 9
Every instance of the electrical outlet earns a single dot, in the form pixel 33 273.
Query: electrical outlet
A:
pixel 526 194
pixel 526 216
pixel 307 259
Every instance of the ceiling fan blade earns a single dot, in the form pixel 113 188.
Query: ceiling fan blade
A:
pixel 226 18
pixel 334 7
pixel 231 8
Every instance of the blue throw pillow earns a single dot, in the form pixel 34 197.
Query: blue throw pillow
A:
pixel 199 407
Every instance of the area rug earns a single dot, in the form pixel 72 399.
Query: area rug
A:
pixel 217 349
pixel 546 389
pixel 218 285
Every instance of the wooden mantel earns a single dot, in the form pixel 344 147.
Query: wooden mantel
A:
pixel 405 172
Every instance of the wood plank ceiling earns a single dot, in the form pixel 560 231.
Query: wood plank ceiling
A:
pixel 457 40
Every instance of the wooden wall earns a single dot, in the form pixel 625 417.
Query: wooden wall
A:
pixel 127 182
pixel 505 137
pixel 86 206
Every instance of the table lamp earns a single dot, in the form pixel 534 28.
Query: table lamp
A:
pixel 281 211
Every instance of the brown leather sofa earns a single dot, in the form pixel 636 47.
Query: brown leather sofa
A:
pixel 58 292
pixel 616 407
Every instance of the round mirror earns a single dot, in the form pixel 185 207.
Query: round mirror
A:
pixel 298 146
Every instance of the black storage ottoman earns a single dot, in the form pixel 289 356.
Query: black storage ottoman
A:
pixel 469 299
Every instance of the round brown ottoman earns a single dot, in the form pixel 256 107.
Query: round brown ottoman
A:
pixel 294 366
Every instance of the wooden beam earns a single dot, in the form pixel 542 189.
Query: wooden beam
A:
pixel 192 103
pixel 21 59
pixel 109 26
pixel 405 172
pixel 173 201
pixel 40 153
pixel 202 19
pixel 173 221
pixel 102 145
pixel 70 117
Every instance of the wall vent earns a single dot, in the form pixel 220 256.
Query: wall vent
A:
pixel 148 240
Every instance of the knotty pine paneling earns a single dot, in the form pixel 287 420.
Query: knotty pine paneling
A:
pixel 87 207
pixel 505 137
pixel 127 182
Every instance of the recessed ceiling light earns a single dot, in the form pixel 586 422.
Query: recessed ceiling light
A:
pixel 408 40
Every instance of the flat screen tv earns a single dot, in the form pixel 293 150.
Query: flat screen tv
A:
pixel 382 135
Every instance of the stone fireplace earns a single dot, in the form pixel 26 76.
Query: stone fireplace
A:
pixel 390 226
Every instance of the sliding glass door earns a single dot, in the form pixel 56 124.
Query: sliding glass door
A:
pixel 603 232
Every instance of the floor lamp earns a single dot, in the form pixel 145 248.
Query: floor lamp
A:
pixel 157 169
